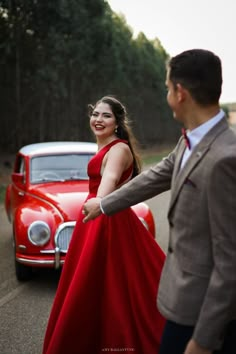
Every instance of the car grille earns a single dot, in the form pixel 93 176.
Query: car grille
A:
pixel 63 236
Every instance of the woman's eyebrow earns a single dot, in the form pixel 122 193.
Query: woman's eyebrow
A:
pixel 102 112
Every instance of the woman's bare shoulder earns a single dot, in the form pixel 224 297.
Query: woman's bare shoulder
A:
pixel 120 147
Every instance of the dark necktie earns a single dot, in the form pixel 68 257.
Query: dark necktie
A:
pixel 186 139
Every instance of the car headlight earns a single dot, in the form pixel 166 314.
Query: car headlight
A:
pixel 144 223
pixel 39 233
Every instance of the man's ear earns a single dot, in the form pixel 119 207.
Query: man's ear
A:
pixel 182 93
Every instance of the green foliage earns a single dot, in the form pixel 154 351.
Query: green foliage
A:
pixel 57 56
pixel 230 107
pixel 225 109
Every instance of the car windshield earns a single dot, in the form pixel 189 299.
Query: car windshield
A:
pixel 59 167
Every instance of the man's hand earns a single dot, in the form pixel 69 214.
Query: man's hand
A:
pixel 91 209
pixel 194 348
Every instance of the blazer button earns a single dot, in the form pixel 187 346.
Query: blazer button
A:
pixel 170 249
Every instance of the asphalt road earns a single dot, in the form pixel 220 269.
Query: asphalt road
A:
pixel 25 307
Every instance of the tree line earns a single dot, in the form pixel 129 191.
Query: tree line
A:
pixel 58 56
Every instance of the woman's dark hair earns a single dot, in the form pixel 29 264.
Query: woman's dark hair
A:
pixel 123 130
pixel 200 72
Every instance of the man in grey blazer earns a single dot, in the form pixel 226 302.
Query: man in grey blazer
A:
pixel 197 291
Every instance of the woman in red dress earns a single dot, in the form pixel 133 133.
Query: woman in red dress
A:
pixel 106 297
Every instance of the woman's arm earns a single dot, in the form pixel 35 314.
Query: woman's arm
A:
pixel 115 162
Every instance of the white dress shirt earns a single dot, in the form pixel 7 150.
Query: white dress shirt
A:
pixel 196 135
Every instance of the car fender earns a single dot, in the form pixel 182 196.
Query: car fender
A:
pixel 28 213
pixel 143 211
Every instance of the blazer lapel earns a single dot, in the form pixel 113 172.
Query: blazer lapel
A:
pixel 180 175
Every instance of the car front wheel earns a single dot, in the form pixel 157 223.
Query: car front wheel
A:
pixel 23 272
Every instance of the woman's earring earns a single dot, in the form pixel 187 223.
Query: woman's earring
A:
pixel 116 130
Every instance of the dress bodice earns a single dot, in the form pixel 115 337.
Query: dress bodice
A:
pixel 94 168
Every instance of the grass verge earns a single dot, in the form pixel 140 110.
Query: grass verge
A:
pixel 152 157
pixel 2 193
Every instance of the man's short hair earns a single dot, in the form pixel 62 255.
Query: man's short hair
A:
pixel 200 72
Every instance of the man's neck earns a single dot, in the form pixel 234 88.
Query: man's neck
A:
pixel 200 115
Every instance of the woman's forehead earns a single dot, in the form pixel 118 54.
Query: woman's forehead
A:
pixel 103 107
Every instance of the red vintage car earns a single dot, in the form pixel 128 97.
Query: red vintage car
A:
pixel 49 185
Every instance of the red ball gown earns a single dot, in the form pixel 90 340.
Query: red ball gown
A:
pixel 106 297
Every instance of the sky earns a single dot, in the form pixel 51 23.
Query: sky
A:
pixel 188 24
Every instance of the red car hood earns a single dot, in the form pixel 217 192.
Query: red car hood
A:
pixel 67 197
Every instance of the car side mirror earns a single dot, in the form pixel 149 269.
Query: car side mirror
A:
pixel 18 178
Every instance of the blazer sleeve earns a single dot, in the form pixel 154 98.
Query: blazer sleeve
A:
pixel 148 184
